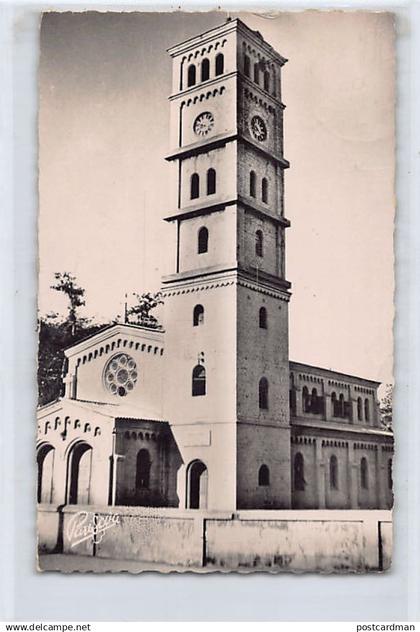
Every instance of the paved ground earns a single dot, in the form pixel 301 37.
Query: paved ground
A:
pixel 72 563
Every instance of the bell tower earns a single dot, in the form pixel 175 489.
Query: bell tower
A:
pixel 226 302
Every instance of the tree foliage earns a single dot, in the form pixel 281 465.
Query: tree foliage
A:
pixel 67 284
pixel 54 337
pixel 140 314
pixel 385 407
pixel 57 333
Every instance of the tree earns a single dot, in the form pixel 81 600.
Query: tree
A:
pixel 67 284
pixel 140 312
pixel 385 407
pixel 54 337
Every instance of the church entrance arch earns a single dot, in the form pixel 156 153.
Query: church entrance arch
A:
pixel 79 472
pixel 45 462
pixel 197 485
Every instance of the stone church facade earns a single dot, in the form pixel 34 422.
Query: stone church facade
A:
pixel 210 413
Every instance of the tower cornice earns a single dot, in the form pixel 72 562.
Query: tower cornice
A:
pixel 224 275
pixel 205 146
pixel 206 209
pixel 224 29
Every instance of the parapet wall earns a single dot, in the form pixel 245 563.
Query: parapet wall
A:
pixel 284 540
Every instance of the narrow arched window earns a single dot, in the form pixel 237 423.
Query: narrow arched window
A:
pixel 314 401
pixel 247 66
pixel 220 64
pixel 367 411
pixel 211 182
pixel 334 404
pixel 333 472
pixel 198 380
pixel 195 186
pixel 267 81
pixel 259 243
pixel 263 318
pixel 341 406
pixel 263 393
pixel 191 75
pixel 252 184
pixel 389 473
pixel 305 400
pixel 364 476
pixel 198 315
pixel 263 476
pixel 203 240
pixel 264 190
pixel 359 409
pixel 205 69
pixel 298 472
pixel 257 72
pixel 143 465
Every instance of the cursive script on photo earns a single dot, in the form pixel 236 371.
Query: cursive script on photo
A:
pixel 86 525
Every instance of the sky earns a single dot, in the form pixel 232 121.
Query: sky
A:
pixel 104 79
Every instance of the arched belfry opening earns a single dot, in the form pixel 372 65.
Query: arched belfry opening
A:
pixel 79 468
pixel 197 485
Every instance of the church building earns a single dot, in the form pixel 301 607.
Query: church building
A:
pixel 209 412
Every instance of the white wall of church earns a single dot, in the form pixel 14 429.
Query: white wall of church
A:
pixel 223 161
pixel 203 425
pixel 63 429
pixel 147 392
pixel 221 227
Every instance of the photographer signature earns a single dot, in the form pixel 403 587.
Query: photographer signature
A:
pixel 86 525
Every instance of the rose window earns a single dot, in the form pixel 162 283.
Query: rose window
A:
pixel 120 375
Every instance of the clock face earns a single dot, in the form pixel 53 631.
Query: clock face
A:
pixel 204 123
pixel 258 128
pixel 120 375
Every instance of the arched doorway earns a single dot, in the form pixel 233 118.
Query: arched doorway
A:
pixel 45 461
pixel 79 471
pixel 197 487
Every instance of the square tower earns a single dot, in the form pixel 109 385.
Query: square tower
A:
pixel 226 303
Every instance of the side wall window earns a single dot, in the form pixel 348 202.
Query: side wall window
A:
pixel 203 240
pixel 191 75
pixel 299 472
pixel 263 393
pixel 259 251
pixel 205 69
pixel 263 318
pixel 143 465
pixel 198 381
pixel 195 186
pixel 333 472
pixel 264 190
pixel 364 474
pixel 367 411
pixel 252 184
pixel 257 73
pixel 211 182
pixel 220 64
pixel 198 315
pixel 247 66
pixel 263 476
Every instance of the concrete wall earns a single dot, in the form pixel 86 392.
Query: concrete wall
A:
pixel 300 541
pixel 328 541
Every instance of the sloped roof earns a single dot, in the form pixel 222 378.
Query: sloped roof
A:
pixel 113 411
